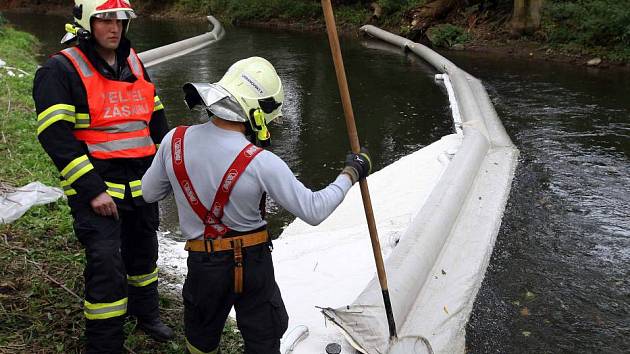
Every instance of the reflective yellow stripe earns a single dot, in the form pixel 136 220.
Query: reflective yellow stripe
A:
pixel 54 114
pixel 77 168
pixel 104 310
pixel 191 348
pixel 116 190
pixel 157 104
pixel 142 279
pixel 67 189
pixel 136 188
pixel 82 121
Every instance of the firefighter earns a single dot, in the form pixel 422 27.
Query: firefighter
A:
pixel 220 165
pixel 100 119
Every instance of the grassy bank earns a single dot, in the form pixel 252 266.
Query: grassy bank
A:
pixel 41 309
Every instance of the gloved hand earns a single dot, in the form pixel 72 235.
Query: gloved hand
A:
pixel 358 166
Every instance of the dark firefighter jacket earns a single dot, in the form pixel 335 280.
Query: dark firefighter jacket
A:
pixel 58 83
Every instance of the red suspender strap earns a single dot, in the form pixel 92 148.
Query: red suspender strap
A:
pixel 232 175
pixel 211 218
pixel 179 167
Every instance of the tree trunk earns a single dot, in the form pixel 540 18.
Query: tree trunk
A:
pixel 423 17
pixel 526 17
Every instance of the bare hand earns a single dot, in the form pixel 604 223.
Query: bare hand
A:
pixel 104 205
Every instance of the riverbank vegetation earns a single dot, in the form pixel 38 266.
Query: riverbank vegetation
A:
pixel 565 30
pixel 577 29
pixel 42 262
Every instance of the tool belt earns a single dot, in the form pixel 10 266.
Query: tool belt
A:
pixel 235 243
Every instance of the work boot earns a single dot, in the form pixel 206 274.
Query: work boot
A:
pixel 156 329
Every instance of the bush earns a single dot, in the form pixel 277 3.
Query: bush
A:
pixel 447 35
pixel 589 22
pixel 3 20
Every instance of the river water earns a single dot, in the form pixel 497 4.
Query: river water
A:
pixel 559 278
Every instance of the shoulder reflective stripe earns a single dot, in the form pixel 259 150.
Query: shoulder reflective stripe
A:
pixel 123 144
pixel 142 279
pixel 77 168
pixel 123 127
pixel 157 104
pixel 67 189
pixel 116 190
pixel 136 188
pixel 82 121
pixel 135 64
pixel 83 65
pixel 104 310
pixel 191 348
pixel 54 114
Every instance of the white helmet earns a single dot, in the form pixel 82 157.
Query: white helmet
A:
pixel 250 91
pixel 84 10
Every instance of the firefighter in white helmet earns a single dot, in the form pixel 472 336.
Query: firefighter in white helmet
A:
pixel 100 120
pixel 220 175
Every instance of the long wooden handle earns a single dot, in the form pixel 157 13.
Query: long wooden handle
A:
pixel 333 39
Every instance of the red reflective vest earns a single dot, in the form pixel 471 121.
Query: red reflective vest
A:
pixel 118 123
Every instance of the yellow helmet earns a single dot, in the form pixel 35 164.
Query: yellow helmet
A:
pixel 250 91
pixel 84 10
pixel 254 83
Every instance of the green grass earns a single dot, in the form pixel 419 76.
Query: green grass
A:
pixel 39 254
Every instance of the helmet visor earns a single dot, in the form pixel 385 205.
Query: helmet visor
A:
pixel 116 15
pixel 269 104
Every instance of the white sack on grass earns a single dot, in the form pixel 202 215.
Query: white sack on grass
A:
pixel 15 204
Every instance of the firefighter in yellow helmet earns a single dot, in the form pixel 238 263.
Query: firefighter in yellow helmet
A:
pixel 220 176
pixel 100 120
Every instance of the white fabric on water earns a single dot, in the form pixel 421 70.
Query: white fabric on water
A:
pixel 13 205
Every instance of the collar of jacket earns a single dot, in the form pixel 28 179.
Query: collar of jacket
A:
pixel 123 73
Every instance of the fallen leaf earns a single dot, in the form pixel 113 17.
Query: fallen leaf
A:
pixel 443 272
pixel 526 333
pixel 446 310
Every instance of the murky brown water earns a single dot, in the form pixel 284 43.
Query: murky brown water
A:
pixel 559 277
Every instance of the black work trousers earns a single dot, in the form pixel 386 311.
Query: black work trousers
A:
pixel 121 272
pixel 209 295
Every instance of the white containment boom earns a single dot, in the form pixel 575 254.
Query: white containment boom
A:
pixel 171 51
pixel 436 269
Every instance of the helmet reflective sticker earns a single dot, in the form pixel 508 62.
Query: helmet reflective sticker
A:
pixel 84 10
pixel 114 4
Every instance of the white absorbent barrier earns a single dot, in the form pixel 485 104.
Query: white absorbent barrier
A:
pixel 436 269
pixel 171 51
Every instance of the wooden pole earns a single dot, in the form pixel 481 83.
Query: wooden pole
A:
pixel 333 39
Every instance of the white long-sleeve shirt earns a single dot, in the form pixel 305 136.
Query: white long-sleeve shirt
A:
pixel 208 152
